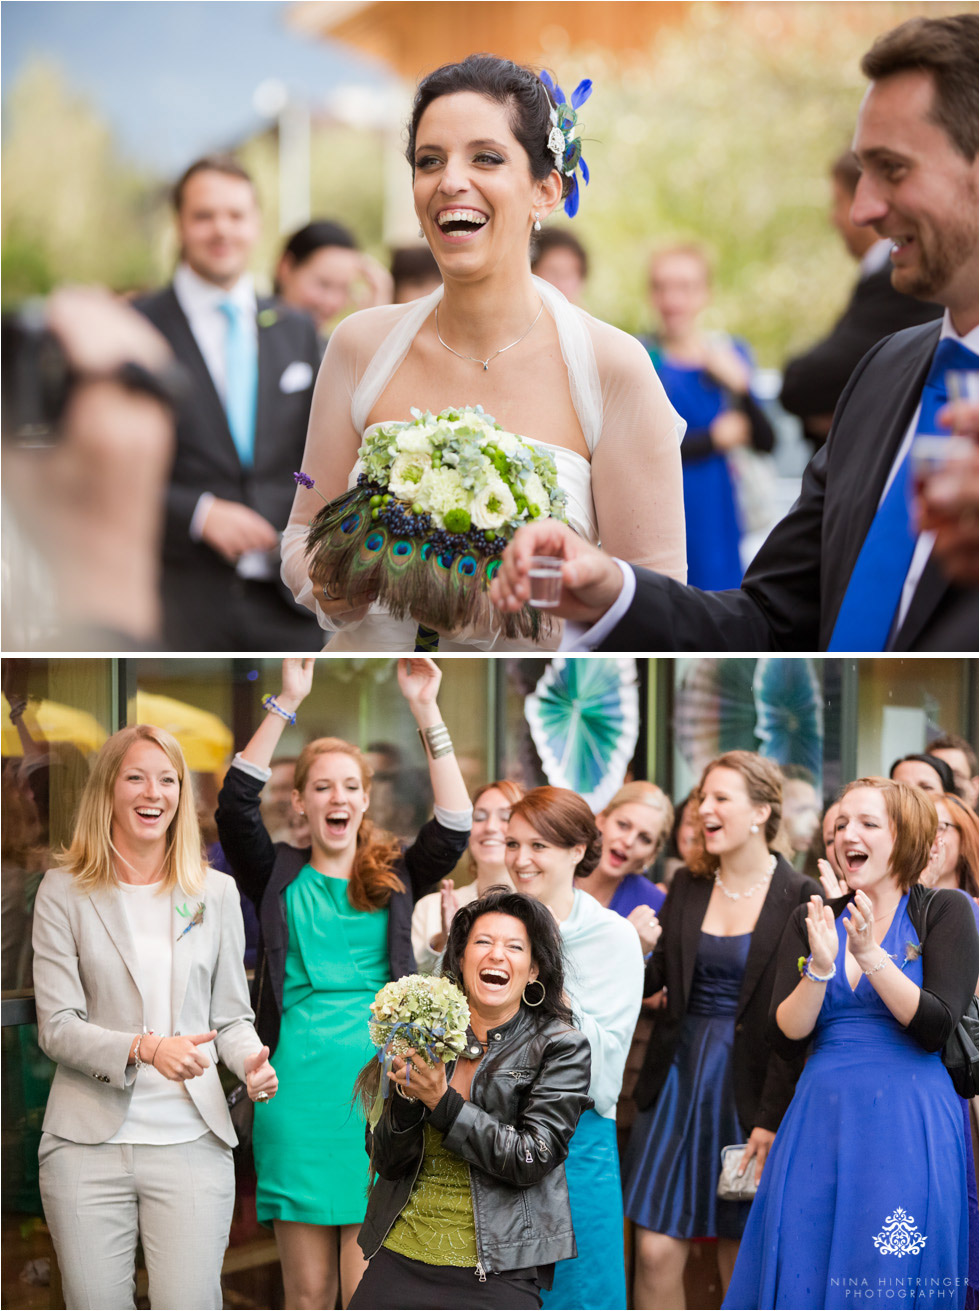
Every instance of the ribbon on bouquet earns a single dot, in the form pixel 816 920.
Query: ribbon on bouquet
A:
pixel 420 1036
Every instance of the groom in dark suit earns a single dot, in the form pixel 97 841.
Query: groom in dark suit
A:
pixel 241 435
pixel 846 569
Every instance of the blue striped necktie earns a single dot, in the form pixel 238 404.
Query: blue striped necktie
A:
pixel 241 381
pixel 875 588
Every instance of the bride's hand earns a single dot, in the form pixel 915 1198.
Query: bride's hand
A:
pixel 591 580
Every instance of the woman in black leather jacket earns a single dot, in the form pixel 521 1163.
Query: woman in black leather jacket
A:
pixel 470 1206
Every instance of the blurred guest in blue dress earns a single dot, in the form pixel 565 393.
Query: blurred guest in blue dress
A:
pixel 870 1163
pixel 710 1079
pixel 707 377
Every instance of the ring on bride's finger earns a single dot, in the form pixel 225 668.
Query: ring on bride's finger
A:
pixel 262 1097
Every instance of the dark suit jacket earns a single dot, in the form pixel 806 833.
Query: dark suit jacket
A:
pixel 264 869
pixel 792 591
pixel 764 1081
pixel 205 459
pixel 813 382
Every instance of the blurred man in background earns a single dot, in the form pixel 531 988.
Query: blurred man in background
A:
pixel 962 760
pixel 240 436
pixel 813 382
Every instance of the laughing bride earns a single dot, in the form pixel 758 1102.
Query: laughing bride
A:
pixel 493 150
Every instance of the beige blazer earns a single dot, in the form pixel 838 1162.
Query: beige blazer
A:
pixel 89 1005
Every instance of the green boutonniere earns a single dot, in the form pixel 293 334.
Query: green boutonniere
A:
pixel 196 918
pixel 267 318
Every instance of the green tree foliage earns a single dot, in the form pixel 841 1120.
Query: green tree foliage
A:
pixel 73 210
pixel 723 133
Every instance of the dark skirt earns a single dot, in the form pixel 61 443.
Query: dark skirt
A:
pixel 393 1281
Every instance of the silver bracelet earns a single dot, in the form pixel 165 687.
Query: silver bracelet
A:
pixel 137 1061
pixel 436 741
pixel 885 958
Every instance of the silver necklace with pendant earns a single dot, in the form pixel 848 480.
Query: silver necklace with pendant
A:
pixel 749 892
pixel 475 359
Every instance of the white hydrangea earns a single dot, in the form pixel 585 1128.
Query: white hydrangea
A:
pixel 407 473
pixel 439 491
pixel 414 441
pixel 506 442
pixel 537 494
pixel 493 505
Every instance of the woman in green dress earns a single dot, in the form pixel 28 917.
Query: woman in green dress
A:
pixel 335 923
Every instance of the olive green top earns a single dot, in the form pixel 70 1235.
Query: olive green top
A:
pixel 437 1225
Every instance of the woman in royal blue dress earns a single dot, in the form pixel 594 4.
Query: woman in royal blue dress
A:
pixel 707 377
pixel 864 1196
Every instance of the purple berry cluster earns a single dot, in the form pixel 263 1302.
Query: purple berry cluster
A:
pixel 403 522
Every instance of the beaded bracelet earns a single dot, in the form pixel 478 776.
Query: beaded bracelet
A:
pixel 272 704
pixel 137 1060
pixel 885 958
pixel 817 978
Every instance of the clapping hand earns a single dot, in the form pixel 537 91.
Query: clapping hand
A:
pixel 822 934
pixel 833 886
pixel 418 1080
pixel 644 920
pixel 260 1078
pixel 860 928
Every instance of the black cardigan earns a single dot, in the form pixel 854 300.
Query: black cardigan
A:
pixel 764 1081
pixel 264 869
pixel 949 965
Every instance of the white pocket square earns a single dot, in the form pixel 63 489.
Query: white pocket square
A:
pixel 296 376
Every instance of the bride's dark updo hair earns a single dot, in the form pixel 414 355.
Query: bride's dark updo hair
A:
pixel 507 83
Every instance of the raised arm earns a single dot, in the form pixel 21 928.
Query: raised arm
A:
pixel 636 465
pixel 419 679
pixel 243 836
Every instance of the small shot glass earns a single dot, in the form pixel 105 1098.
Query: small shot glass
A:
pixel 545 576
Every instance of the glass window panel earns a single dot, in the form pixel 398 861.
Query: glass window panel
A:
pixel 903 704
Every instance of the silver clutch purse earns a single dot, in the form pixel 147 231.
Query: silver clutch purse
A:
pixel 731 1186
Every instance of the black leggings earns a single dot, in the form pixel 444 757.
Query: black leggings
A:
pixel 392 1282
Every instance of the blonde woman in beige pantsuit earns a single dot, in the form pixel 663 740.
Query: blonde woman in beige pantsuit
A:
pixel 140 990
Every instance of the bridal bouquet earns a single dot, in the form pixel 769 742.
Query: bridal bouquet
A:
pixel 439 498
pixel 419 1013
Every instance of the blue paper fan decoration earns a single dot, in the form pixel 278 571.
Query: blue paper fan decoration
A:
pixel 790 712
pixel 584 718
pixel 715 710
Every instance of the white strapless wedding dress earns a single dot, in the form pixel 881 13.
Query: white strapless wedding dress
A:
pixel 378 630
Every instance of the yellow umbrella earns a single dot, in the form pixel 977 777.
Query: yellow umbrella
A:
pixel 205 739
pixel 51 721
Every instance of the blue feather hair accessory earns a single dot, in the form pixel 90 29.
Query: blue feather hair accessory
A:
pixel 563 141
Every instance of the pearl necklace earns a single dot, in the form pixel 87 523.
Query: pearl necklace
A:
pixel 749 892
pixel 475 359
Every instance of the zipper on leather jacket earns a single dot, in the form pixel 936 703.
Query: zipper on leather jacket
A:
pixel 480 1273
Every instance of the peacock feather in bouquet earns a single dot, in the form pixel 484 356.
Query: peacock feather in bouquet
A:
pixel 437 500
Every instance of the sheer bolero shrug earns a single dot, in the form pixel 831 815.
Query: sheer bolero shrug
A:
pixel 628 495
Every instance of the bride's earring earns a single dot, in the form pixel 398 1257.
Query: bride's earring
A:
pixel 537 222
pixel 421 233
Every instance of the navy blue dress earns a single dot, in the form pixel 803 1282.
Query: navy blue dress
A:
pixel 863 1201
pixel 674 1154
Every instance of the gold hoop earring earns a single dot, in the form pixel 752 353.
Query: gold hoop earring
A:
pixel 544 993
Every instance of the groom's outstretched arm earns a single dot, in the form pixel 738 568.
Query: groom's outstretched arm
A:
pixel 776 608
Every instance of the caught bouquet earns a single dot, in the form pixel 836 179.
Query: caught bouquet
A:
pixel 439 498
pixel 420 1013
